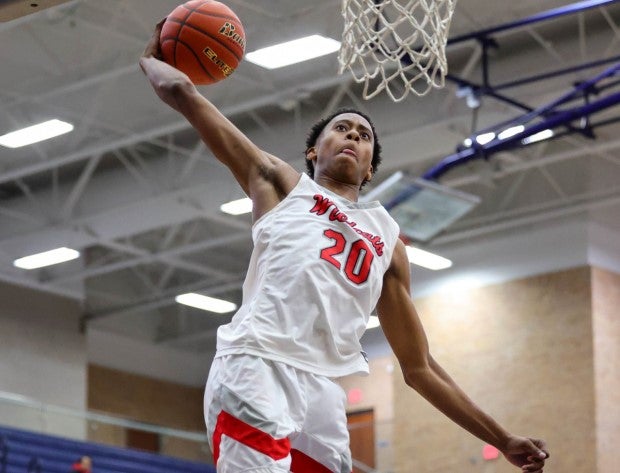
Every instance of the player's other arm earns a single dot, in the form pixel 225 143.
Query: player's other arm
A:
pixel 248 163
pixel 405 334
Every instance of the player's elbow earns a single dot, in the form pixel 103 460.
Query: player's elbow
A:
pixel 417 374
pixel 416 378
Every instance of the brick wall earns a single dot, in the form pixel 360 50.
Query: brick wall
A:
pixel 523 351
pixel 606 323
pixel 148 400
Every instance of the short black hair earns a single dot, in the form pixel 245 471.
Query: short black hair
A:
pixel 319 126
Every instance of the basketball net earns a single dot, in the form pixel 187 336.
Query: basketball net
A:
pixel 396 45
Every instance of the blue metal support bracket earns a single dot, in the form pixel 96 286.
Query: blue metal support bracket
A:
pixel 484 37
pixel 554 118
pixel 548 116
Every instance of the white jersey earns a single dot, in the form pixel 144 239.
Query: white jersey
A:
pixel 315 276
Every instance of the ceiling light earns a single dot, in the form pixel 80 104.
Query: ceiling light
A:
pixel 47 258
pixel 485 138
pixel 205 303
pixel 292 52
pixel 426 259
pixel 373 322
pixel 237 207
pixel 541 135
pixel 35 133
pixel 512 131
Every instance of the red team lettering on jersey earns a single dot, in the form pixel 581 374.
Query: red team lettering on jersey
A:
pixel 323 204
pixel 359 258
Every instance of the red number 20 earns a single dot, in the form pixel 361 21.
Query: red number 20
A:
pixel 358 260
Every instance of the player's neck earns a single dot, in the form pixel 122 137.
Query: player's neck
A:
pixel 343 189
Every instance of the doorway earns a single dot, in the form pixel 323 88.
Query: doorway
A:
pixel 362 432
pixel 142 440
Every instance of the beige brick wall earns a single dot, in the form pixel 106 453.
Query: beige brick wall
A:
pixel 145 399
pixel 606 323
pixel 148 400
pixel 523 351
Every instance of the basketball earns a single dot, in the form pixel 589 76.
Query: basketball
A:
pixel 204 39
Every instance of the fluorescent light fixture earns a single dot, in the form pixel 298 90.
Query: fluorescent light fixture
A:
pixel 237 207
pixel 47 258
pixel 427 259
pixel 485 138
pixel 292 52
pixel 373 322
pixel 35 133
pixel 512 131
pixel 540 136
pixel 205 303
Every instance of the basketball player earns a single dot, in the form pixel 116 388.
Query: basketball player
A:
pixel 321 263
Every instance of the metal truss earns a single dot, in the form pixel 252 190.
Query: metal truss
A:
pixel 534 120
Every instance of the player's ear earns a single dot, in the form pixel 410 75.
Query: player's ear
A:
pixel 369 174
pixel 311 153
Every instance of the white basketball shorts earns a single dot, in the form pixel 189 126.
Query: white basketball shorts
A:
pixel 264 416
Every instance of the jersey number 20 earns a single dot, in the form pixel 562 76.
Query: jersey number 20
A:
pixel 357 260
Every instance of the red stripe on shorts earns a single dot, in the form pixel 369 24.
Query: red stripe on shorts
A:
pixel 249 436
pixel 302 463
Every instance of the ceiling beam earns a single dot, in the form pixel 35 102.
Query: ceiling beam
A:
pixel 42 287
pixel 173 127
pixel 165 299
pixel 169 256
pixel 575 153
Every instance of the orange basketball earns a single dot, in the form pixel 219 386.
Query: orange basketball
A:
pixel 204 39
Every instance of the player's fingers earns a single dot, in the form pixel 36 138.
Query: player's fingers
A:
pixel 542 445
pixel 535 465
pixel 152 47
pixel 532 469
pixel 540 448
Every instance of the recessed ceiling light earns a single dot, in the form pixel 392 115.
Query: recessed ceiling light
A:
pixel 512 131
pixel 237 207
pixel 210 304
pixel 485 138
pixel 427 259
pixel 373 322
pixel 47 258
pixel 540 136
pixel 292 52
pixel 35 133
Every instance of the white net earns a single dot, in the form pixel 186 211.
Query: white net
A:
pixel 396 45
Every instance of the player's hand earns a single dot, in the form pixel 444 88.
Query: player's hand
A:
pixel 152 48
pixel 526 453
pixel 168 82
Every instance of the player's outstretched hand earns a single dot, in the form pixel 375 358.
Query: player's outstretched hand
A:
pixel 152 48
pixel 167 81
pixel 526 453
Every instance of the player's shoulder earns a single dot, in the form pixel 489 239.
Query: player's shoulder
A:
pixel 399 263
pixel 278 173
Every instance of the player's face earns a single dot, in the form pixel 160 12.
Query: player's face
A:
pixel 344 149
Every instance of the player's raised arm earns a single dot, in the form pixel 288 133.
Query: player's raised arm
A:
pixel 405 334
pixel 251 166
